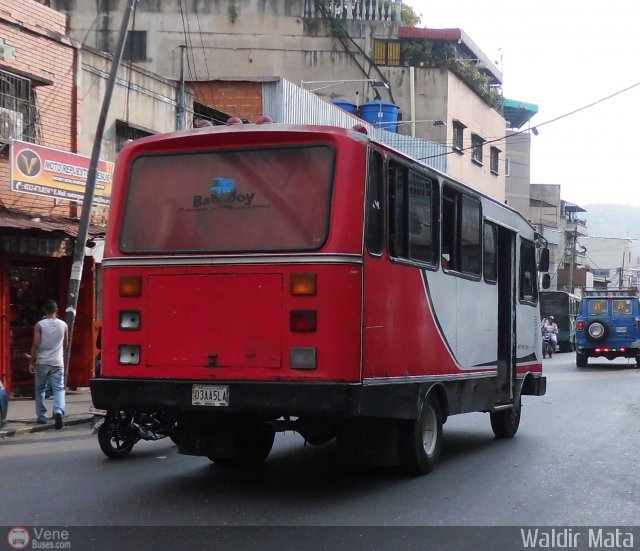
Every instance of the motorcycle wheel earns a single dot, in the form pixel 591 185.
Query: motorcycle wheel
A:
pixel 116 441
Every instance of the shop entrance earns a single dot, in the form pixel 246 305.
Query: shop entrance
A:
pixel 31 282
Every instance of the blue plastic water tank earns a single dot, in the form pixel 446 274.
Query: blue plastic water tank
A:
pixel 382 114
pixel 346 105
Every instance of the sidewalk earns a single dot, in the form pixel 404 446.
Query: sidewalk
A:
pixel 21 417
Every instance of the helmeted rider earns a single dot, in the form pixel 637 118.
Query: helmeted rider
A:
pixel 550 328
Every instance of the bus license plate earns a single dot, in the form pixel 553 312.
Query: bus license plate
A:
pixel 621 329
pixel 210 395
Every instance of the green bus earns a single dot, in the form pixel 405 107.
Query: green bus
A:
pixel 564 307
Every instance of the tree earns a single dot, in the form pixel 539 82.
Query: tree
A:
pixel 409 17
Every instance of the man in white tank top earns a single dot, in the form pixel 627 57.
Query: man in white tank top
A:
pixel 50 338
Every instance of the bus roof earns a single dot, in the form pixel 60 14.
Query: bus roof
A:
pixel 356 133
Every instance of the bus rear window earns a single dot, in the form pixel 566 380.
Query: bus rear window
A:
pixel 229 201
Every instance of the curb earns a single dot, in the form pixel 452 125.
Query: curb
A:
pixel 8 432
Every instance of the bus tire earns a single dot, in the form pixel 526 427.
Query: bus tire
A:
pixel 252 444
pixel 581 359
pixel 637 361
pixel 116 441
pixel 421 439
pixel 505 422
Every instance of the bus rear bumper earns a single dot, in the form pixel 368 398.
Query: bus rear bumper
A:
pixel 399 400
pixel 269 398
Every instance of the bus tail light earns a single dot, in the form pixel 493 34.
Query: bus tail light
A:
pixel 303 321
pixel 580 326
pixel 303 358
pixel 129 320
pixel 129 354
pixel 130 286
pixel 304 284
pixel 637 323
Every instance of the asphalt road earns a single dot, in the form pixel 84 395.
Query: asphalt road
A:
pixel 574 461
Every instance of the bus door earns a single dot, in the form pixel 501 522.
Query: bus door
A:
pixel 506 315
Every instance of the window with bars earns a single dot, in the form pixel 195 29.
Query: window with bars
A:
pixel 476 148
pixel 125 132
pixel 18 114
pixel 386 52
pixel 458 136
pixel 495 159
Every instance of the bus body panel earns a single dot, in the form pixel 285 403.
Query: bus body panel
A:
pixel 413 324
pixel 234 322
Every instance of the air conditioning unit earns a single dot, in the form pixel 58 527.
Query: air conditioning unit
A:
pixel 10 125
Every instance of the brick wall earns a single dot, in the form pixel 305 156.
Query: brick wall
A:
pixel 240 99
pixel 35 45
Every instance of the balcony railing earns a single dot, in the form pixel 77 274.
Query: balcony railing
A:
pixel 371 10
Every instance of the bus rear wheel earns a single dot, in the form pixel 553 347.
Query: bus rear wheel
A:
pixel 421 439
pixel 253 441
pixel 505 422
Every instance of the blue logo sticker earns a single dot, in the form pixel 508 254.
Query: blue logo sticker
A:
pixel 222 185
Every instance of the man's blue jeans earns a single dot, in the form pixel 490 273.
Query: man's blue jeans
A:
pixel 55 376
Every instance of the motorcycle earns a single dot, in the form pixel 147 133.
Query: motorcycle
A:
pixel 118 430
pixel 548 344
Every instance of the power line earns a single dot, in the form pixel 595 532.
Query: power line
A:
pixel 592 104
pixel 204 53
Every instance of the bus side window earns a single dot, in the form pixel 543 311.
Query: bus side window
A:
pixel 374 221
pixel 528 287
pixel 490 256
pixel 461 232
pixel 397 210
pixel 449 258
pixel 422 222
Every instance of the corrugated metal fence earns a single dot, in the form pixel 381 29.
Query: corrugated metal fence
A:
pixel 288 103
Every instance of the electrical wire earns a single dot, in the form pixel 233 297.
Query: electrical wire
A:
pixel 560 117
pixel 204 53
pixel 186 39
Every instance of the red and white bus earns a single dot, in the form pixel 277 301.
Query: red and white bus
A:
pixel 266 277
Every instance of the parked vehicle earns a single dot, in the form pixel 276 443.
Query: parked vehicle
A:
pixel 564 307
pixel 608 325
pixel 118 431
pixel 4 405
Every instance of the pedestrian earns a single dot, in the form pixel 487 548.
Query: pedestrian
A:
pixel 50 338
pixel 549 326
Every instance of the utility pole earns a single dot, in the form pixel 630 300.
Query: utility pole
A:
pixel 89 190
pixel 572 259
pixel 181 108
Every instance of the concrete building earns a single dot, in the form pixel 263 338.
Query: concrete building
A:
pixel 349 51
pixel 38 109
pixel 560 224
pixel 518 154
pixel 613 261
pixel 51 91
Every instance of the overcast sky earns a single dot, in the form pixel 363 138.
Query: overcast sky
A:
pixel 563 55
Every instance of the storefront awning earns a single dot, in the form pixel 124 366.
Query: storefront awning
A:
pixel 45 224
